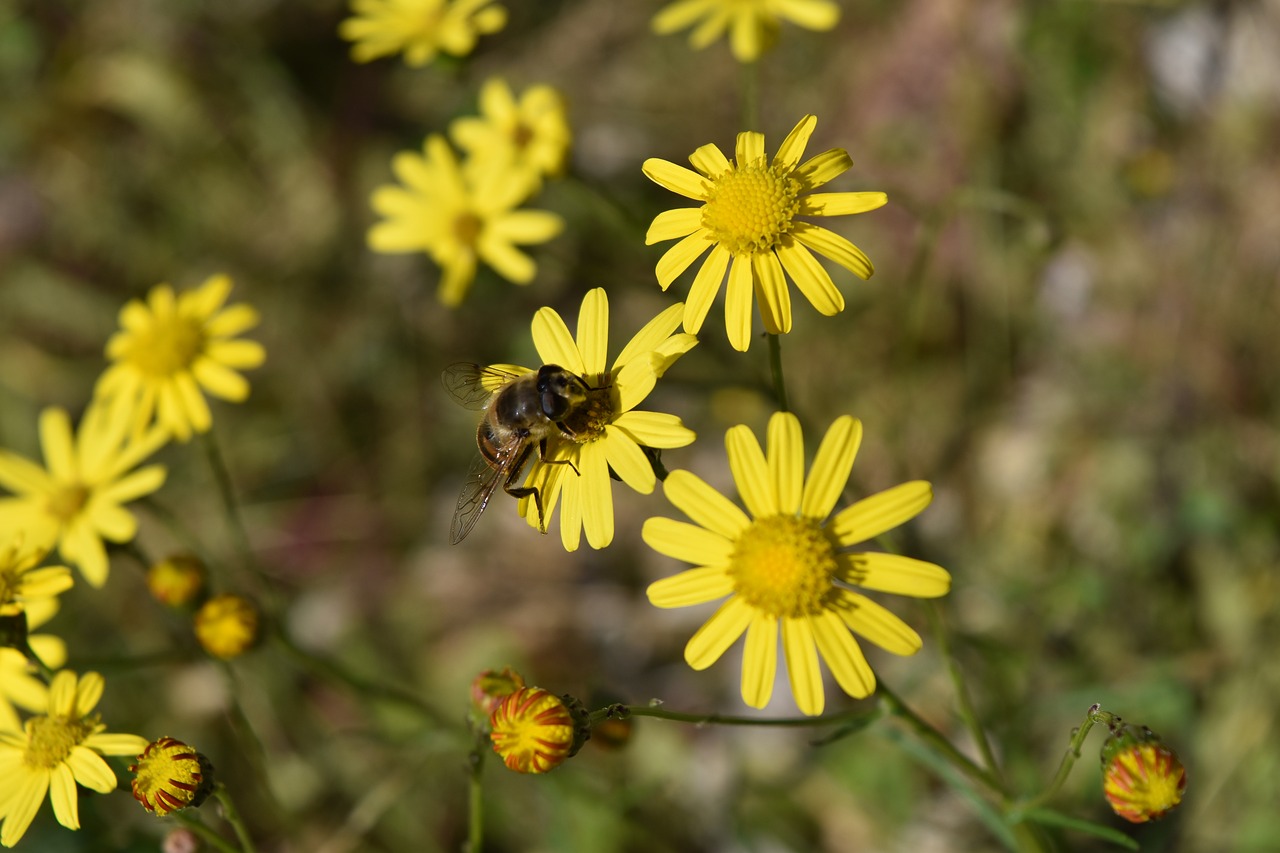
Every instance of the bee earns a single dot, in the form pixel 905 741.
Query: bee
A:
pixel 521 411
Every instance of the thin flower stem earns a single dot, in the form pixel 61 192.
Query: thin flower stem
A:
pixel 751 96
pixel 963 701
pixel 775 367
pixel 937 741
pixel 197 826
pixel 475 803
pixel 221 474
pixel 233 817
pixel 1095 714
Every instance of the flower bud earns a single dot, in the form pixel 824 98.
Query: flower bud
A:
pixel 1141 777
pixel 169 776
pixel 533 730
pixel 227 626
pixel 176 581
pixel 489 688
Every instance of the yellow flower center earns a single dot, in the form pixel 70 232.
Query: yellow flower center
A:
pixel 521 136
pixel 170 776
pixel 782 565
pixel 168 348
pixel 466 227
pixel 749 208
pixel 51 739
pixel 67 501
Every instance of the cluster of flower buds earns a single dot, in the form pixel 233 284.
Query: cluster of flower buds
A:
pixel 226 625
pixel 531 729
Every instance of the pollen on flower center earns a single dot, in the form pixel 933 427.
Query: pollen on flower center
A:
pixel 51 739
pixel 782 565
pixel 466 227
pixel 168 348
pixel 750 208
pixel 586 422
pixel 67 501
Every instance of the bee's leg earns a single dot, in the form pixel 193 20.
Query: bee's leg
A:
pixel 518 492
pixel 542 453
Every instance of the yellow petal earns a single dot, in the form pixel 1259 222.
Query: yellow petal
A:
pixel 710 161
pixel 760 661
pixel 654 429
pixel 895 574
pixel 704 505
pixel 772 296
pixel 62 792
pixel 802 665
pixel 221 382
pixel 737 303
pixel 831 466
pixel 786 461
pixel 55 439
pixel 842 654
pixel 636 379
pixel 810 278
pixel 870 517
pixel 678 179
pixel 835 247
pixel 91 771
pixel 593 331
pixel 750 473
pixel 653 335
pixel 690 587
pixel 792 148
pixel 840 204
pixel 597 495
pixel 673 224
pixel 749 148
pixel 683 541
pixel 874 622
pixel 822 168
pixel 554 343
pixel 706 284
pixel 721 631
pixel 679 257
pixel 628 461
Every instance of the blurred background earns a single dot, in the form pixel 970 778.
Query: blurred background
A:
pixel 1072 333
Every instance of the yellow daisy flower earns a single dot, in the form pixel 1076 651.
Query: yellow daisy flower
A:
pixel 457 217
pixel 748 221
pixel 78 501
pixel 786 565
pixel 529 136
pixel 171 347
pixel 420 28
pixel 752 24
pixel 23 581
pixel 610 432
pixel 55 752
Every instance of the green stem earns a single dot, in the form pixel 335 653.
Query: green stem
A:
pixel 221 474
pixel 197 826
pixel 233 817
pixel 775 367
pixel 965 703
pixel 1095 714
pixel 751 96
pixel 937 741
pixel 475 815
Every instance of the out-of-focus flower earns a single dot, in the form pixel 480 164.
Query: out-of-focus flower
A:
pixel 459 217
pixel 78 501
pixel 169 776
pixel 786 568
pixel 748 219
pixel 56 751
pixel 18 686
pixel 1141 777
pixel 532 730
pixel 490 687
pixel 171 348
pixel 529 136
pixel 23 580
pixel 752 24
pixel 177 580
pixel 227 626
pixel 420 28
pixel 608 431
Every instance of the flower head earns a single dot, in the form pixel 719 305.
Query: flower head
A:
pixel 171 348
pixel 752 24
pixel 490 687
pixel 23 580
pixel 176 581
pixel 533 730
pixel 54 752
pixel 608 433
pixel 748 219
pixel 785 566
pixel 529 136
pixel 227 626
pixel 459 217
pixel 1141 777
pixel 420 28
pixel 169 776
pixel 78 501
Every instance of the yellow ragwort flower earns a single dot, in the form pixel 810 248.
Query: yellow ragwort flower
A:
pixel 177 580
pixel 227 626
pixel 169 776
pixel 24 581
pixel 752 24
pixel 608 430
pixel 1142 778
pixel 529 136
pixel 420 28
pixel 171 348
pixel 532 730
pixel 748 221
pixel 459 217
pixel 78 501
pixel 56 751
pixel 786 566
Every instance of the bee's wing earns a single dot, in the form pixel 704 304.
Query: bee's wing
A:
pixel 473 384
pixel 482 479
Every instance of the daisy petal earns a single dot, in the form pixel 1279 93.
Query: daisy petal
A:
pixel 772 296
pixel 843 655
pixel 27 792
pixel 55 439
pixel 750 473
pixel 220 381
pixel 737 303
pixel 554 343
pixel 654 429
pixel 822 168
pixel 242 355
pixel 678 179
pixel 673 224
pixel 706 284
pixel 831 466
pixel 593 331
pixel 835 247
pixel 801 650
pixel 597 495
pixel 874 622
pixel 810 278
pixel 760 661
pixel 710 161
pixel 786 461
pixel 840 204
pixel 62 791
pixel 704 505
pixel 792 148
pixel 635 380
pixel 654 334
pixel 895 574
pixel 91 771
pixel 628 461
pixel 749 148
pixel 721 631
pixel 88 693
pixel 870 517
pixel 687 542
pixel 23 476
pixel 681 256
pixel 690 587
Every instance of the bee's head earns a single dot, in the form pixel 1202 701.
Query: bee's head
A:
pixel 559 391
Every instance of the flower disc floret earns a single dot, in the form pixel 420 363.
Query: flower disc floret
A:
pixel 1142 778
pixel 783 566
pixel 532 730
pixel 750 209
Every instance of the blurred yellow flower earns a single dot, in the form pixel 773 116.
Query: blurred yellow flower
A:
pixel 227 626
pixel 609 432
pixel 786 567
pixel 420 28
pixel 22 579
pixel 18 686
pixel 50 649
pixel 79 500
pixel 458 217
pixel 752 24
pixel 748 221
pixel 529 136
pixel 169 348
pixel 56 751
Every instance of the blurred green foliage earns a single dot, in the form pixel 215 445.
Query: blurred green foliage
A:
pixel 1072 333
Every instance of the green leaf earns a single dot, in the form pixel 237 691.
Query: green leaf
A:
pixel 1049 817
